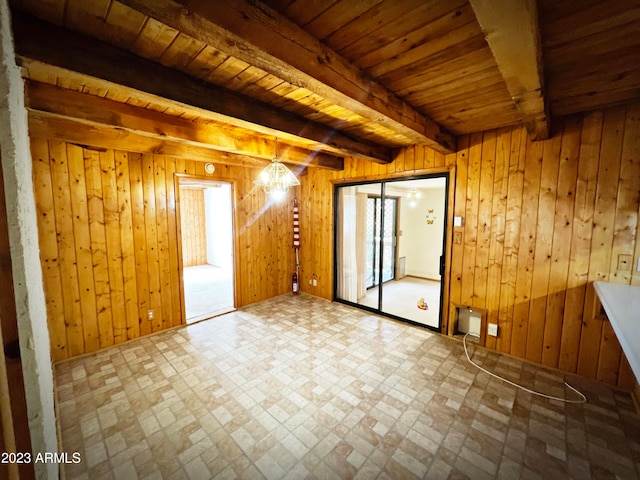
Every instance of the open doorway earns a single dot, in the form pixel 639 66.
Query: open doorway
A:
pixel 390 246
pixel 206 231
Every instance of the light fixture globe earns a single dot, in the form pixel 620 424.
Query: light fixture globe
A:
pixel 276 179
pixel 413 196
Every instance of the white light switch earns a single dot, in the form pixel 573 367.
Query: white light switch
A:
pixel 457 221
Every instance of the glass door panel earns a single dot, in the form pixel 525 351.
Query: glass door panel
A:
pixel 376 232
pixel 415 292
pixel 356 256
pixel 389 240
pixel 372 240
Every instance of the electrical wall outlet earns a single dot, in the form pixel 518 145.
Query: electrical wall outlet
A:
pixel 315 282
pixel 151 314
pixel 492 329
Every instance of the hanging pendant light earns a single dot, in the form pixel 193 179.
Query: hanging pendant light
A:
pixel 276 178
pixel 413 197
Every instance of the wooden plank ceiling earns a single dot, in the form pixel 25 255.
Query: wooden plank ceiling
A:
pixel 221 80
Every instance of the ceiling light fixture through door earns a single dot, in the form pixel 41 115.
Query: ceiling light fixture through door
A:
pixel 276 178
pixel 413 196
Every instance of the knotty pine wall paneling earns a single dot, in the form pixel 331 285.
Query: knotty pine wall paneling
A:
pixel 193 227
pixel 109 242
pixel 546 305
pixel 542 221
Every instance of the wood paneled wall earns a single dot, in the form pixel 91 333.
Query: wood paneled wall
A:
pixel 542 221
pixel 193 227
pixel 109 242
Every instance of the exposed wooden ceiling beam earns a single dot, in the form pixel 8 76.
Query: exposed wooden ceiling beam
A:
pixel 512 32
pixel 96 112
pixel 38 41
pixel 49 125
pixel 260 36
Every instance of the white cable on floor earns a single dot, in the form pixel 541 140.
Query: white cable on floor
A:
pixel 583 400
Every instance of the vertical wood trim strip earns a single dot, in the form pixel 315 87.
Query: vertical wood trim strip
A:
pixel 512 237
pixel 601 236
pixel 630 168
pixel 163 241
pixel 581 241
pixel 151 235
pixel 49 254
pixel 627 199
pixel 496 244
pixel 471 219
pixel 129 274
pixel 484 219
pixel 140 241
pixel 543 244
pixel 172 248
pixel 113 245
pixel 561 243
pixel 97 232
pixel 526 248
pixel 79 326
pixel 459 183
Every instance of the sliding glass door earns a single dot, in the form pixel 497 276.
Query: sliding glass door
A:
pixel 356 247
pixel 376 233
pixel 389 245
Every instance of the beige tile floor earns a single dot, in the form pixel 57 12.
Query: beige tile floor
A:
pixel 299 387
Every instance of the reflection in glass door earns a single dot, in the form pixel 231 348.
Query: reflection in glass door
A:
pixel 374 228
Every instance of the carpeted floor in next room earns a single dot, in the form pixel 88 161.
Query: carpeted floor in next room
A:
pixel 208 291
pixel 300 387
pixel 400 298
